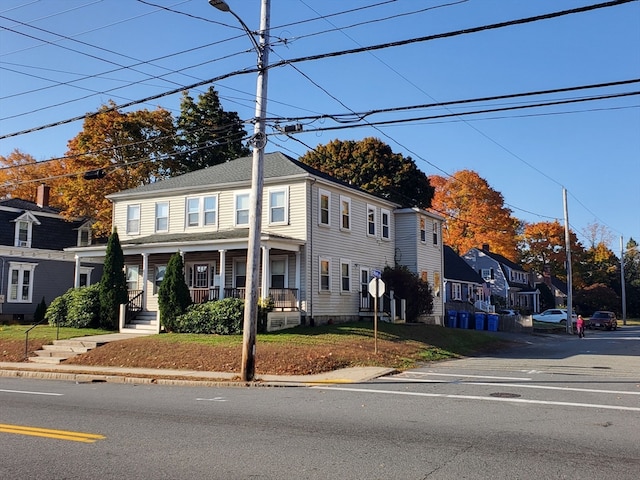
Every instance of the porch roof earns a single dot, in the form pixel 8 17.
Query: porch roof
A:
pixel 192 242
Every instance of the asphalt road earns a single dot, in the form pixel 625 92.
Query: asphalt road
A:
pixel 559 407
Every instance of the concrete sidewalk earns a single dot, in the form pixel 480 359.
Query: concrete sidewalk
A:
pixel 84 374
pixel 80 373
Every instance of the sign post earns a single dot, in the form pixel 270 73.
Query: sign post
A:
pixel 376 289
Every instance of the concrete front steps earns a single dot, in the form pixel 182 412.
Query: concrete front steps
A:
pixel 145 322
pixel 63 349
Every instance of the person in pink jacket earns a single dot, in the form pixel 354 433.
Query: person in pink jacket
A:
pixel 580 326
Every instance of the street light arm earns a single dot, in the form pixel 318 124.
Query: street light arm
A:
pixel 224 7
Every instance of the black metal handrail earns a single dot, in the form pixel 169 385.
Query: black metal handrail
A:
pixel 26 335
pixel 134 305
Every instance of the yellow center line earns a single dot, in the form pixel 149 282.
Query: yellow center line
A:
pixel 50 433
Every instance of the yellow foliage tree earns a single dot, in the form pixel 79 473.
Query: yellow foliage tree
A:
pixel 475 214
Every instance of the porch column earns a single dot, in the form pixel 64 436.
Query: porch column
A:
pixel 265 272
pixel 223 268
pixel 76 280
pixel 297 279
pixel 145 278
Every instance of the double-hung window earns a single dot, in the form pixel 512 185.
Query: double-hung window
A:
pixel 24 230
pixel 162 217
pixel 21 276
pixel 278 206
pixel 345 213
pixel 325 274
pixel 133 219
pixel 435 233
pixel 202 211
pixel 242 210
pixel 132 276
pixel 456 291
pixel 210 210
pixel 371 220
pixel 324 202
pixel 423 230
pixel 193 212
pixel 345 275
pixel 385 221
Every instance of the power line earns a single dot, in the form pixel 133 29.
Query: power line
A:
pixel 345 52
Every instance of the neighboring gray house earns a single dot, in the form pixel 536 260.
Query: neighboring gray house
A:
pixel 510 284
pixel 557 287
pixel 464 288
pixel 33 264
pixel 322 240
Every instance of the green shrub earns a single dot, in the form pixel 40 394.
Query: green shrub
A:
pixel 223 317
pixel 77 308
pixel 57 311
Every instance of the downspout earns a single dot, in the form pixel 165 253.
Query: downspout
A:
pixel 2 282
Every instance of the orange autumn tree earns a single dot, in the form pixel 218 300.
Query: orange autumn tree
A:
pixel 132 148
pixel 20 175
pixel 475 214
pixel 543 244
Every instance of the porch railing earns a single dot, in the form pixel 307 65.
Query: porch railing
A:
pixel 133 306
pixel 283 298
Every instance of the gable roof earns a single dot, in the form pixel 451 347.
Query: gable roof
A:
pixel 26 205
pixel 502 260
pixel 276 165
pixel 455 268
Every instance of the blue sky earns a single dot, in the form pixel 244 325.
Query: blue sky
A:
pixel 60 59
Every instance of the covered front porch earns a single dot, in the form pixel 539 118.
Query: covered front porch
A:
pixel 214 269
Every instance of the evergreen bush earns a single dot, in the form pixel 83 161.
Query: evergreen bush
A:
pixel 41 310
pixel 113 284
pixel 173 294
pixel 77 308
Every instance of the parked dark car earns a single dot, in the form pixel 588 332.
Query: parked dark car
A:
pixel 603 319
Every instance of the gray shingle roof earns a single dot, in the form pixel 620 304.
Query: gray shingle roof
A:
pixel 276 165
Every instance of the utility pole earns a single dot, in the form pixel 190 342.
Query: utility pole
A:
pixel 624 299
pixel 259 141
pixel 567 242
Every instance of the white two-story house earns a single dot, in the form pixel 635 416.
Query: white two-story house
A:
pixel 321 239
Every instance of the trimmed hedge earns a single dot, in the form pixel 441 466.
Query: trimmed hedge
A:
pixel 224 317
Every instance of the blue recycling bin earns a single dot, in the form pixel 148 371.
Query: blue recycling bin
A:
pixel 481 320
pixel 452 318
pixel 463 320
pixel 492 322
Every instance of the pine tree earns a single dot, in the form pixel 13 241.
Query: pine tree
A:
pixel 173 293
pixel 113 284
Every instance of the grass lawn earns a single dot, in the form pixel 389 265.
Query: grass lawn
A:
pixel 302 350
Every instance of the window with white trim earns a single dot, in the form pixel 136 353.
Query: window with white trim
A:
pixel 278 272
pixel 85 276
pixel 324 202
pixel 84 236
pixel 132 273
pixel 193 212
pixel 210 210
pixel 242 209
pixel 456 291
pixel 345 213
pixel 278 206
pixel 240 273
pixel 21 277
pixel 470 293
pixel 133 219
pixel 423 230
pixel 162 217
pixel 487 273
pixel 325 274
pixel 345 275
pixel 371 220
pixel 435 233
pixel 385 223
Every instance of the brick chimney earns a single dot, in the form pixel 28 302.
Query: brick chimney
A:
pixel 42 196
pixel 485 247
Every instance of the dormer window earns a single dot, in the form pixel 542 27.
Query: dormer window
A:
pixel 24 230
